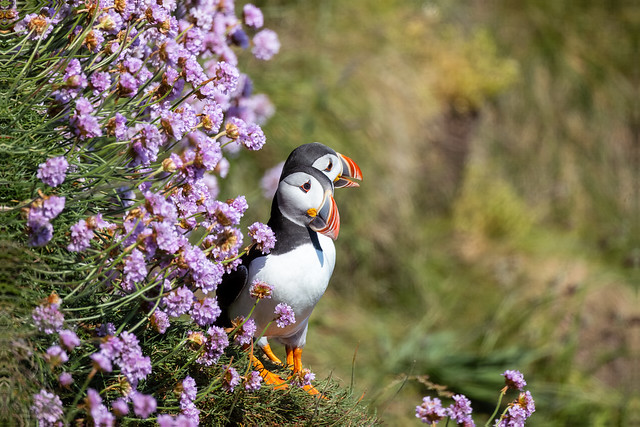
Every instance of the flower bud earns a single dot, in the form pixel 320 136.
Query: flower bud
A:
pixel 54 298
pixel 232 131
pixel 197 338
pixel 168 165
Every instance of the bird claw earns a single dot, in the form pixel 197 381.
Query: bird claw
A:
pixel 266 349
pixel 297 376
pixel 314 392
pixel 272 379
pixel 281 384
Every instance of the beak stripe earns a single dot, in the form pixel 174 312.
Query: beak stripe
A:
pixel 330 217
pixel 350 172
pixel 354 169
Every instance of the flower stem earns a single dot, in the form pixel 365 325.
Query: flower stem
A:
pixel 495 412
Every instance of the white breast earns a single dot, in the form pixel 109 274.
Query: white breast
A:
pixel 299 279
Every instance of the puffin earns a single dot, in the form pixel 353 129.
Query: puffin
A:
pixel 305 221
pixel 340 169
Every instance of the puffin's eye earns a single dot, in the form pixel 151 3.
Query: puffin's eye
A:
pixel 306 187
pixel 329 166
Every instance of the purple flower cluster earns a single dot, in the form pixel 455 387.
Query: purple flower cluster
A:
pixel 260 289
pixel 252 16
pixel 106 329
pixel 284 315
pixel 205 274
pixel 215 343
pixel 97 410
pixel 80 236
pixel 53 171
pixel 48 318
pixel 225 247
pixel 460 410
pixel 204 312
pixel 304 378
pixel 145 141
pixel 522 407
pixel 270 180
pixel 525 401
pixel 246 332
pixel 55 355
pixel 515 416
pixel 188 408
pixel 39 217
pixel 37 26
pixel 85 125
pixel 65 379
pixel 253 381
pixel 69 339
pixel 178 302
pixel 514 379
pixel 143 404
pixel 125 352
pixel 47 408
pixel 262 236
pixel 160 321
pixel 120 407
pixel 430 411
pixel 135 270
pixel 83 231
pixel 230 379
pixel 265 44
pixel 249 135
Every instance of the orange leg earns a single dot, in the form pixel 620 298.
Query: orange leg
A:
pixel 289 356
pixel 267 350
pixel 294 360
pixel 297 360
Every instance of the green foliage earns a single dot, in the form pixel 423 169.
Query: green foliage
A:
pixel 489 207
pixel 468 70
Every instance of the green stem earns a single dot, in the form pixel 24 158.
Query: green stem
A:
pixel 74 405
pixel 495 412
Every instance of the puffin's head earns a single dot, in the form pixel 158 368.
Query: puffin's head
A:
pixel 305 197
pixel 340 169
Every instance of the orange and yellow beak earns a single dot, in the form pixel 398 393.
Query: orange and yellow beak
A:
pixel 326 219
pixel 350 172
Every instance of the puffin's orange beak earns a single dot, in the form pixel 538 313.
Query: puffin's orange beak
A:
pixel 350 172
pixel 326 219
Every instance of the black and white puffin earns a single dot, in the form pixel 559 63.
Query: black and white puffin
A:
pixel 305 220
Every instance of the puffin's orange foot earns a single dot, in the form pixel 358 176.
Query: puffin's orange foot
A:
pixel 305 377
pixel 314 392
pixel 267 376
pixel 273 379
pixel 300 375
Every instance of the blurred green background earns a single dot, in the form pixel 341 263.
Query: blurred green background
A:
pixel 498 223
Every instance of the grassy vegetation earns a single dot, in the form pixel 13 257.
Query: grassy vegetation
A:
pixel 498 224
